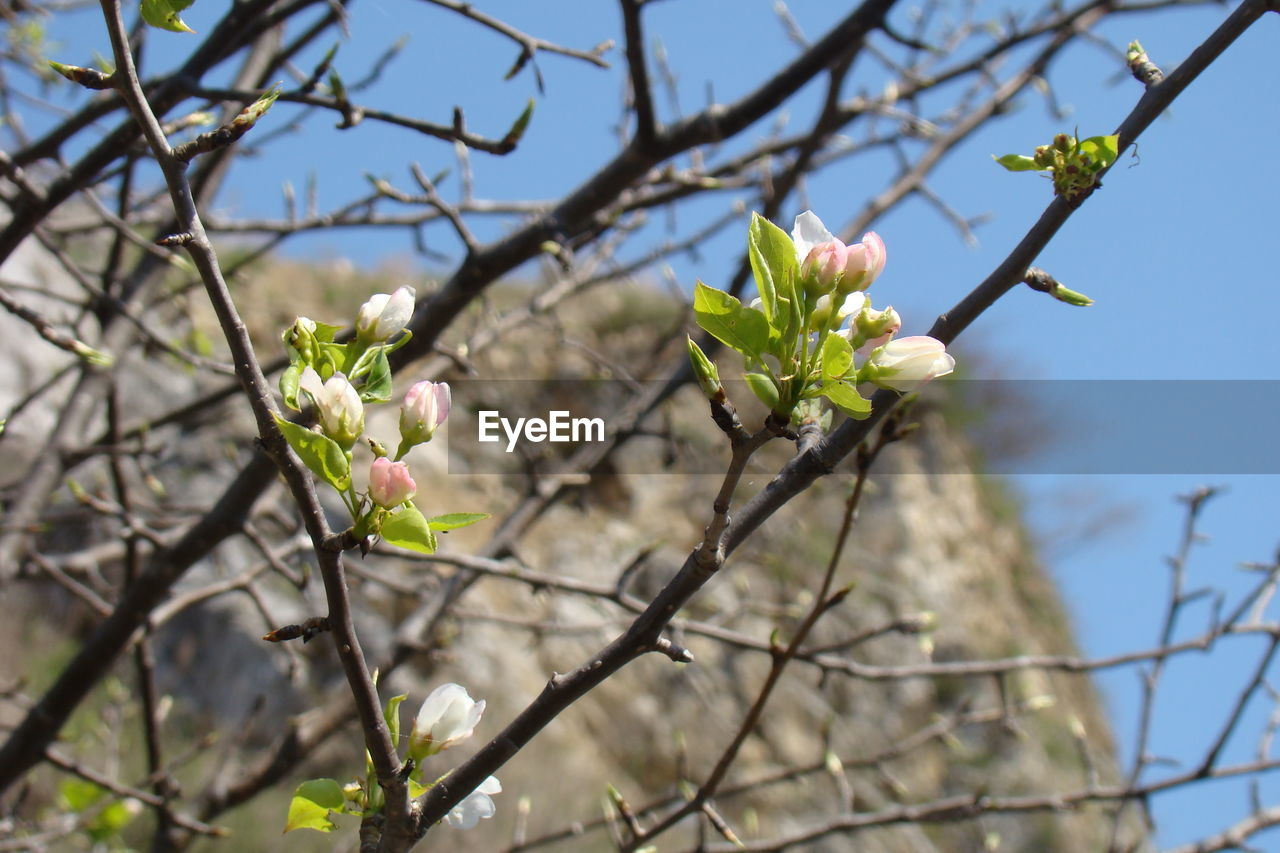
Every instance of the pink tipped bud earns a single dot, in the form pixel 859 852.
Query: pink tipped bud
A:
pixel 384 315
pixel 863 263
pixel 426 405
pixel 390 484
pixel 823 267
pixel 907 363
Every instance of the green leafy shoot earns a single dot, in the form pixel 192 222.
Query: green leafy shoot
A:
pixel 1073 164
pixel 519 126
pixel 249 116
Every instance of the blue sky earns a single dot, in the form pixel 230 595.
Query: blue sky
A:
pixel 1175 249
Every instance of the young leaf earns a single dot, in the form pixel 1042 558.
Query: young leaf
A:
pixel 837 356
pixel 408 529
pixel 164 14
pixel 773 263
pixel 1103 149
pixel 743 329
pixel 519 126
pixel 1017 163
pixel 377 388
pixel 312 803
pixel 319 453
pixel 325 332
pixel 107 824
pixel 249 116
pixel 392 715
pixel 289 385
pixel 764 388
pixel 454 520
pixel 847 399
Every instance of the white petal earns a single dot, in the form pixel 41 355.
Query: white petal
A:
pixel 310 382
pixel 470 811
pixel 809 232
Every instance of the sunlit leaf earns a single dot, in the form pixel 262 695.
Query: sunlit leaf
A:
pixel 164 14
pixel 847 399
pixel 319 453
pixel 837 356
pixel 312 803
pixel 764 388
pixel 408 529
pixel 454 520
pixel 1017 163
pixel 729 321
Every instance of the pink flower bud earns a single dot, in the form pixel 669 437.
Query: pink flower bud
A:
pixel 823 267
pixel 390 484
pixel 384 315
pixel 863 263
pixel 426 405
pixel 907 363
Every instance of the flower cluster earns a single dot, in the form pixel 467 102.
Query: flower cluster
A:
pixel 447 717
pixel 336 380
pixel 813 332
pixel 830 270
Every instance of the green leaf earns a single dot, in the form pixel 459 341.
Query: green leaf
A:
pixel 454 520
pixel 773 263
pixel 764 388
pixel 392 715
pixel 1102 149
pixel 377 388
pixel 319 453
pixel 325 333
pixel 519 126
pixel 847 399
pixel 335 358
pixel 312 803
pixel 289 385
pixel 408 529
pixel 1017 163
pixel 337 87
pixel 164 14
pixel 743 329
pixel 837 356
pixel 78 794
pixel 107 824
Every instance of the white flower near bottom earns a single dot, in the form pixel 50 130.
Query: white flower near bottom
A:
pixel 476 806
pixel 448 715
